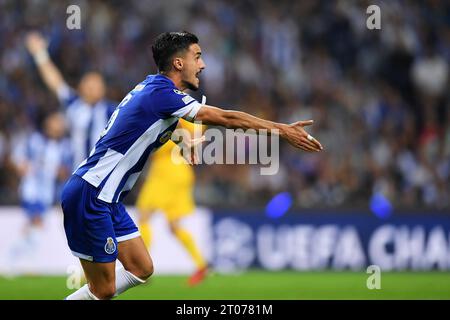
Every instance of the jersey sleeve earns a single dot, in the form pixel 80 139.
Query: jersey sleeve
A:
pixel 66 95
pixel 174 103
pixel 111 107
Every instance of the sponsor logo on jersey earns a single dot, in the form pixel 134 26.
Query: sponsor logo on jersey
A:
pixel 179 92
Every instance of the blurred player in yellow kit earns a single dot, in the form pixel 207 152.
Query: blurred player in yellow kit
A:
pixel 169 188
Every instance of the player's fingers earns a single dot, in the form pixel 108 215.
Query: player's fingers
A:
pixel 306 123
pixel 195 156
pixel 195 142
pixel 196 152
pixel 306 146
pixel 310 144
pixel 186 152
pixel 315 141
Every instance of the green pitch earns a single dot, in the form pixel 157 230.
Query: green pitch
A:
pixel 255 285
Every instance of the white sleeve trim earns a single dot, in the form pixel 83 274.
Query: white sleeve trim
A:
pixel 188 112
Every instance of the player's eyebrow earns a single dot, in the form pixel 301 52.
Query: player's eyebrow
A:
pixel 199 53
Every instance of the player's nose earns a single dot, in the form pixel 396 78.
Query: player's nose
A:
pixel 202 64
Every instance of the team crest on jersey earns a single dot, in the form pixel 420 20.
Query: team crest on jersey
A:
pixel 179 92
pixel 165 137
pixel 110 246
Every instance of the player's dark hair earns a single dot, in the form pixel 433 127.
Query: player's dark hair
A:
pixel 169 43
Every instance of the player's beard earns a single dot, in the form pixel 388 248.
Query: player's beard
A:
pixel 190 86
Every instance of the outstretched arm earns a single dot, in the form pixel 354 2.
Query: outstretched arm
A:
pixel 37 46
pixel 293 133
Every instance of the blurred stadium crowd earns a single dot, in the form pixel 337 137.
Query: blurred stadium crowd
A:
pixel 379 98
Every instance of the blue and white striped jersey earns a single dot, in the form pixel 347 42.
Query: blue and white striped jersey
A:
pixel 85 122
pixel 44 157
pixel 141 123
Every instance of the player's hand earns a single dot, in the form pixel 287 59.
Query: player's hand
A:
pixel 299 138
pixel 190 150
pixel 35 42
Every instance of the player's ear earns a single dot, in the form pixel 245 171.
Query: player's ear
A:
pixel 178 64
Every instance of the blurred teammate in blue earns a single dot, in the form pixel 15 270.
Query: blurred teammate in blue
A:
pixel 98 229
pixel 87 111
pixel 43 160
